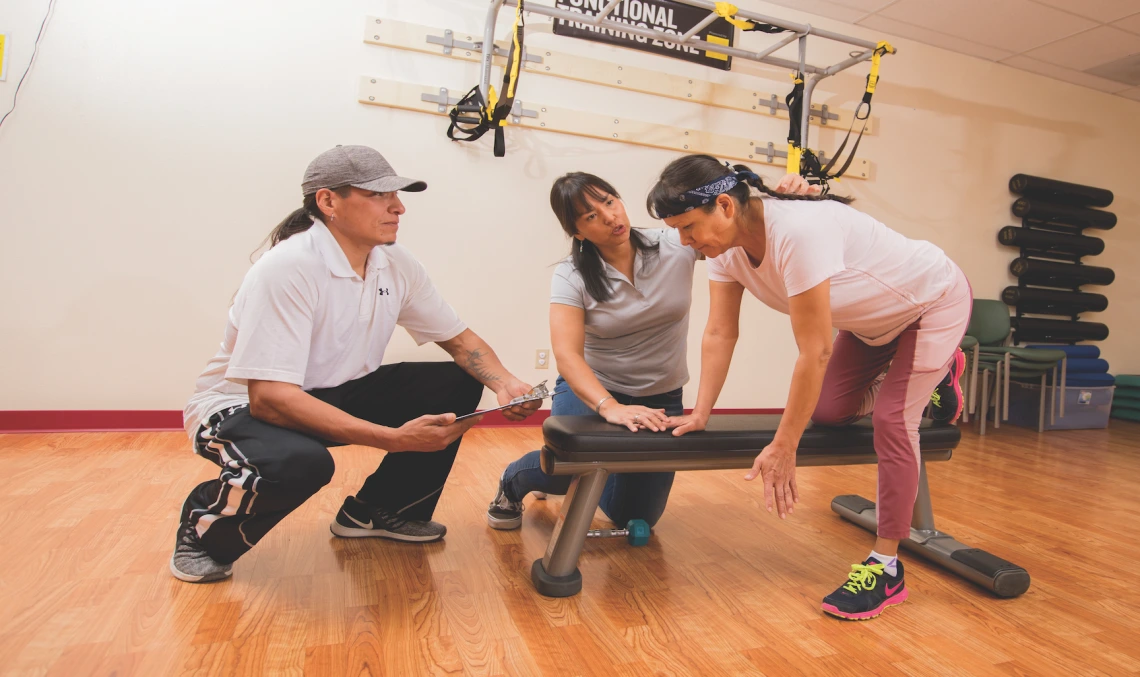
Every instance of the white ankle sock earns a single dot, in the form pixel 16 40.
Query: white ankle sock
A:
pixel 890 562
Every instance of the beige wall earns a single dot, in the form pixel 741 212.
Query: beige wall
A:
pixel 155 144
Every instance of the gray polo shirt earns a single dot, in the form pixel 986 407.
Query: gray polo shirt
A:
pixel 636 341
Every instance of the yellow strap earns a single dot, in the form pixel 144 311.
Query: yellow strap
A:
pixel 727 11
pixel 513 69
pixel 514 66
pixel 794 154
pixel 883 47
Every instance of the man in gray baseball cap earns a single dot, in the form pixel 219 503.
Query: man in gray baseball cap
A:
pixel 356 166
pixel 299 370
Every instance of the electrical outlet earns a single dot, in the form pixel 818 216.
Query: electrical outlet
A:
pixel 542 358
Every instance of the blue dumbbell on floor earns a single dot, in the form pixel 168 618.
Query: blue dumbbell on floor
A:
pixel 636 532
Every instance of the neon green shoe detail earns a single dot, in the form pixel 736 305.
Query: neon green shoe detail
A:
pixel 863 577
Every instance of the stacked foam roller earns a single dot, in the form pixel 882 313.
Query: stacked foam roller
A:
pixel 1050 273
pixel 1126 399
pixel 1084 368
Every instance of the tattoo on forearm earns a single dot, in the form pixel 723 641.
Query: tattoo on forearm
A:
pixel 475 366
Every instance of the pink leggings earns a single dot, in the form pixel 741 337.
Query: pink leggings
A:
pixel 919 359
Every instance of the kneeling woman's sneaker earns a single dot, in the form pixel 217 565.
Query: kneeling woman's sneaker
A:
pixel 503 513
pixel 947 398
pixel 868 590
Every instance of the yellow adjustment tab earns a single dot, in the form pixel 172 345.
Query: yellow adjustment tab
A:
pixel 794 154
pixel 797 78
pixel 882 48
pixel 727 11
pixel 716 40
pixel 492 99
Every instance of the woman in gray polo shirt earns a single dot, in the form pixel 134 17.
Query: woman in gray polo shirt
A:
pixel 619 320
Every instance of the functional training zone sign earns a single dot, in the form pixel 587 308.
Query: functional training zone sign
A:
pixel 663 15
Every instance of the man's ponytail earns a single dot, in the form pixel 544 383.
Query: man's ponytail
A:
pixel 299 220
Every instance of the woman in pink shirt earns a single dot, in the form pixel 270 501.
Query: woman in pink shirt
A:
pixel 901 307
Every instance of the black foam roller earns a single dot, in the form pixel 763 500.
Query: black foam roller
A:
pixel 1056 274
pixel 1066 215
pixel 1060 191
pixel 1045 241
pixel 1052 301
pixel 1036 329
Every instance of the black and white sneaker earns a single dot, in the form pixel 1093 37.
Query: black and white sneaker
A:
pixel 190 561
pixel 503 513
pixel 357 519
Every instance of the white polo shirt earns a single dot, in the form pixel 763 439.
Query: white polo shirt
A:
pixel 303 316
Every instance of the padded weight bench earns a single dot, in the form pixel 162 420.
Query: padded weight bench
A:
pixel 590 449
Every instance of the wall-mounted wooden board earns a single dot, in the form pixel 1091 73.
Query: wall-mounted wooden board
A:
pixel 465 46
pixel 381 92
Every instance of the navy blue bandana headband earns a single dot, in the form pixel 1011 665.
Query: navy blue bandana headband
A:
pixel 701 195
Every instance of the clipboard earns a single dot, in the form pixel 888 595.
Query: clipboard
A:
pixel 537 393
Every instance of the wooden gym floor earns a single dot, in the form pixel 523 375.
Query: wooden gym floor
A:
pixel 87 524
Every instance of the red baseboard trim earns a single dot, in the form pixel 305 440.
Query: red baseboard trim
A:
pixel 88 421
pixel 127 420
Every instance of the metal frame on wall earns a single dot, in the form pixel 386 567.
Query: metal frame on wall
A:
pixel 552 63
pixel 813 74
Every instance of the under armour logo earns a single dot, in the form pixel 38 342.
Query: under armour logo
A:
pixel 384 291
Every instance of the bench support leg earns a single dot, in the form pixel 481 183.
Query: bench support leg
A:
pixel 557 574
pixel 1003 578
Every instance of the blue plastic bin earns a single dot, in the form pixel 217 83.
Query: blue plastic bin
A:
pixel 1086 408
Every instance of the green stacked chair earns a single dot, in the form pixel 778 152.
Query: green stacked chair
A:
pixel 1126 398
pixel 969 346
pixel 990 325
pixel 985 329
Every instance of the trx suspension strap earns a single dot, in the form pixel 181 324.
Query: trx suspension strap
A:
pixel 872 81
pixel 806 162
pixel 795 101
pixel 495 112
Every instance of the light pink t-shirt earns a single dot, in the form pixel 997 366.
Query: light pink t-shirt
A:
pixel 881 282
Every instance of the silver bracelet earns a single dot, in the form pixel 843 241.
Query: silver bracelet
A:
pixel 598 407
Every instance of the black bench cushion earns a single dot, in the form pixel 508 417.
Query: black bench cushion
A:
pixel 586 439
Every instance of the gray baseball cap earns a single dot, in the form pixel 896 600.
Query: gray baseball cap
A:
pixel 358 166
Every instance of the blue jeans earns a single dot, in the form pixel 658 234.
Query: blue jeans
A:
pixel 627 496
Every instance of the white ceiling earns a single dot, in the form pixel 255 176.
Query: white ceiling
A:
pixel 1092 43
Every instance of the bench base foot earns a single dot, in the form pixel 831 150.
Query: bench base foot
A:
pixel 1004 579
pixel 555 586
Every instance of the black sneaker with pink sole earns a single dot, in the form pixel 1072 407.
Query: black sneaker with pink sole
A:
pixel 946 401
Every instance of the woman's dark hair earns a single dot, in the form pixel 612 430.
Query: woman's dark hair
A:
pixel 692 171
pixel 568 198
pixel 301 219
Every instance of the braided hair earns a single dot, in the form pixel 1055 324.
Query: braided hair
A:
pixel 691 171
